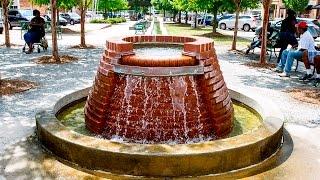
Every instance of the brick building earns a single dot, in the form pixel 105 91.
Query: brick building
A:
pixel 26 4
pixel 279 10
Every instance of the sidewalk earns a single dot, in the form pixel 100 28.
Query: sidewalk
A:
pixel 17 111
pixel 25 159
pixel 96 34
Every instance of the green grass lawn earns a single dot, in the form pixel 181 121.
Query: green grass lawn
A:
pixel 219 39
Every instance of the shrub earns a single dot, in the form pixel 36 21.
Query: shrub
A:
pixel 109 20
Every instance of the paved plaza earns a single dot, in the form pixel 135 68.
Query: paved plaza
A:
pixel 20 157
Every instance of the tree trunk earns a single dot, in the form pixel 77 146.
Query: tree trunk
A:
pixel 58 21
pixel 179 20
pixel 5 4
pixel 214 21
pixel 174 16
pixel 266 8
pixel 82 23
pixel 195 20
pixel 186 22
pixel 55 55
pixel 164 14
pixel 235 34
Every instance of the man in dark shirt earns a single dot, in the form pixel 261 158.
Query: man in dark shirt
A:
pixel 287 32
pixel 288 24
pixel 36 31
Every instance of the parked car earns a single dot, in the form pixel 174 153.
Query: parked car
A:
pixel 1 26
pixel 17 15
pixel 62 21
pixel 207 21
pixel 224 16
pixel 312 28
pixel 72 18
pixel 246 23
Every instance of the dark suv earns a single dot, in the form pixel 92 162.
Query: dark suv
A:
pixel 17 15
pixel 72 18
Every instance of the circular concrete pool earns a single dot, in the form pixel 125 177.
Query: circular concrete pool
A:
pixel 161 116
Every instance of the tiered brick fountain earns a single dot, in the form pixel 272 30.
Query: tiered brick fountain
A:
pixel 159 106
pixel 159 99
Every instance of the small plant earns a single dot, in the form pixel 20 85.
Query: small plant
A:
pixel 109 20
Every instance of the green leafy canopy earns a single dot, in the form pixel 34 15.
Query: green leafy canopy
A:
pixel 296 5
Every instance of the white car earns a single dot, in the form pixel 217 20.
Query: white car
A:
pixel 246 23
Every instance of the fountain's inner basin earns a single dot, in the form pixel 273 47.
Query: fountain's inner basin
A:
pixel 158 50
pixel 246 120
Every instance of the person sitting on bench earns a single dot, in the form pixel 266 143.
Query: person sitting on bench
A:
pixel 36 31
pixel 306 43
pixel 316 63
pixel 308 58
pixel 257 41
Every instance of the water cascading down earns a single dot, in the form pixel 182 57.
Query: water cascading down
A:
pixel 159 99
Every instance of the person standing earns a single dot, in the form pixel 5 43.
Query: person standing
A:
pixel 287 32
pixel 306 43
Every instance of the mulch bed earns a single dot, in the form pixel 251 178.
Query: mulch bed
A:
pixel 49 60
pixel 83 47
pixel 69 31
pixel 309 95
pixel 12 45
pixel 259 65
pixel 212 34
pixel 12 86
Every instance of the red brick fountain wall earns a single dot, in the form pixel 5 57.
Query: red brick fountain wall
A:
pixel 155 100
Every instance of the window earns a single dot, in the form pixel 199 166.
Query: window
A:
pixel 13 13
pixel 244 17
pixel 26 12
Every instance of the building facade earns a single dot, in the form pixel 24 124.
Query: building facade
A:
pixel 279 10
pixel 26 4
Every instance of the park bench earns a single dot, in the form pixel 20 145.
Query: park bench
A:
pixel 139 28
pixel 307 55
pixel 272 48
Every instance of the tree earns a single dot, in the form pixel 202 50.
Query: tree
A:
pixel 195 6
pixel 54 14
pixel 5 5
pixel 83 6
pixel 163 5
pixel 180 5
pixel 216 7
pixel 213 6
pixel 115 5
pixel 296 5
pixel 55 54
pixel 235 34
pixel 137 5
pixel 237 6
pixel 266 7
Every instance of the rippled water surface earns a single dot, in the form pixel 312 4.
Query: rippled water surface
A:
pixel 158 50
pixel 246 119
